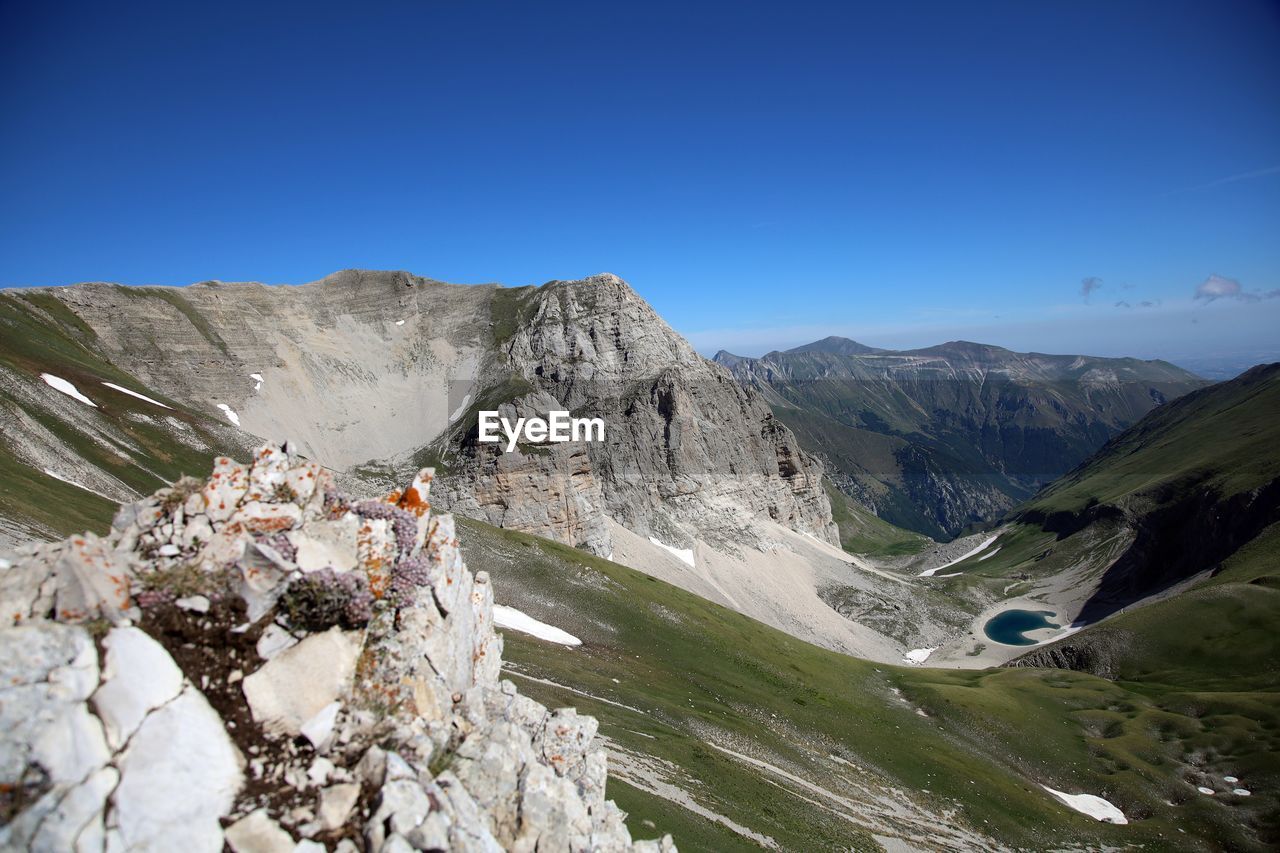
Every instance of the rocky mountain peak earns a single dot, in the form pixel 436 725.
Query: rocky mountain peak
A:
pixel 837 346
pixel 309 671
pixel 677 427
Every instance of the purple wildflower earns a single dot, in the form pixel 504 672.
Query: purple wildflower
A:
pixel 407 577
pixel 404 524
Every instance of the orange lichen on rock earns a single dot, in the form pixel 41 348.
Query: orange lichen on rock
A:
pixel 414 499
pixel 375 551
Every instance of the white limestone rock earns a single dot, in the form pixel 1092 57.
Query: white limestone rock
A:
pixel 401 806
pixel 138 676
pixel 179 775
pixel 319 728
pixel 256 832
pixel 269 472
pixel 274 640
pixel 198 531
pixel 564 740
pixel 93 581
pixel 336 804
pixel 225 488
pixel 27 587
pixel 296 685
pixel 263 573
pixel 263 517
pixel 47 672
pixel 302 479
pixel 326 544
pixel 522 778
pixel 65 818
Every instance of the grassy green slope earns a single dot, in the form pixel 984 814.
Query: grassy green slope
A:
pixel 1222 635
pixel 1208 661
pixel 1202 451
pixel 1226 437
pixel 863 532
pixel 40 334
pixel 690 672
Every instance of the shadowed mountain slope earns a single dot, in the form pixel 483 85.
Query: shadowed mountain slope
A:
pixel 938 439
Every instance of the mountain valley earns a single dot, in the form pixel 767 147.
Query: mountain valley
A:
pixel 939 439
pixel 782 571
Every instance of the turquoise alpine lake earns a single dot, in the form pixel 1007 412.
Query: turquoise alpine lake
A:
pixel 1009 628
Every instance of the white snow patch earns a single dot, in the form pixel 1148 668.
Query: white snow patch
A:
pixel 462 407
pixel 257 379
pixel 950 575
pixel 918 656
pixel 399 322
pixel 1231 779
pixel 59 384
pixel 136 394
pixel 993 552
pixel 928 573
pixel 55 475
pixel 1241 792
pixel 230 412
pixel 1095 807
pixel 684 555
pixel 509 617
pixel 1202 789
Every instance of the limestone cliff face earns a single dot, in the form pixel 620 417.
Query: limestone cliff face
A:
pixel 687 451
pixel 372 374
pixel 354 367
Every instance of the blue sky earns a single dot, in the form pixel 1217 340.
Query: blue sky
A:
pixel 764 174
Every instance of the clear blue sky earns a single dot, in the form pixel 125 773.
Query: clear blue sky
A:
pixel 764 174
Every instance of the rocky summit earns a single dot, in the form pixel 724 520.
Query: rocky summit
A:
pixel 256 662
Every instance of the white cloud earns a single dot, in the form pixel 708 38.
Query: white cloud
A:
pixel 1220 287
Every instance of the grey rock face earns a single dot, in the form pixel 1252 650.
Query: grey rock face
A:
pixel 387 667
pixel 684 444
pixel 378 347
pixel 376 372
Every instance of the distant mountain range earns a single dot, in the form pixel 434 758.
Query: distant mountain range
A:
pixel 941 438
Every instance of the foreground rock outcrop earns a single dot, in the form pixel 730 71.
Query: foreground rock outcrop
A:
pixel 255 662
